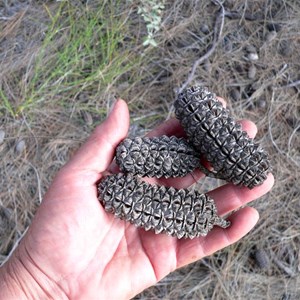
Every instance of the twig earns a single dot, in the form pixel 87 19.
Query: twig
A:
pixel 219 276
pixel 236 15
pixel 34 168
pixel 217 35
pixel 270 127
pixel 289 145
pixel 271 134
pixel 38 182
pixel 291 84
pixel 16 244
pixel 283 267
pixel 6 18
pixel 268 83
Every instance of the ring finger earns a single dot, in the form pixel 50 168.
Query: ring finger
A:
pixel 230 197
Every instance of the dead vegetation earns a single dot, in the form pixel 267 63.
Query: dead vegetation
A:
pixel 52 108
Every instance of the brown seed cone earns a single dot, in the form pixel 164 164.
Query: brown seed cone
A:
pixel 209 127
pixel 157 157
pixel 180 213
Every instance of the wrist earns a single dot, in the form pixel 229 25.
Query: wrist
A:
pixel 9 286
pixel 20 279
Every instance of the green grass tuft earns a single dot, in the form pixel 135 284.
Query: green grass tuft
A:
pixel 83 50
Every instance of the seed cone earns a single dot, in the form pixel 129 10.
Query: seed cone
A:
pixel 261 258
pixel 180 213
pixel 157 157
pixel 233 155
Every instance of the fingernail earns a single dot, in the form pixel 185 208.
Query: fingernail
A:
pixel 112 106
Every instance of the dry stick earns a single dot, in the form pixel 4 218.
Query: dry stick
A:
pixel 267 84
pixel 16 244
pixel 236 15
pixel 291 84
pixel 38 182
pixel 6 18
pixel 283 153
pixel 219 276
pixel 220 19
pixel 270 127
pixel 283 267
pixel 289 146
pixel 217 35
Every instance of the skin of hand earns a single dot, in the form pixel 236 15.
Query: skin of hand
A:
pixel 75 250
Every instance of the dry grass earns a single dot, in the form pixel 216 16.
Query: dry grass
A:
pixel 61 114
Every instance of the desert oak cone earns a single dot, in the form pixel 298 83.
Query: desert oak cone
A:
pixel 157 157
pixel 180 213
pixel 215 134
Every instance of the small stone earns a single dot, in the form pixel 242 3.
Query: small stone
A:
pixel 253 56
pixel 261 103
pixel 235 94
pixel 20 146
pixel 292 122
pixel 204 29
pixel 207 66
pixel 239 68
pixel 2 136
pixel 250 49
pixel 87 117
pixel 5 222
pixel 285 48
pixel 274 27
pixel 227 44
pixel 286 296
pixel 82 97
pixel 230 2
pixel 251 72
pixel 271 35
pixel 123 86
pixel 261 258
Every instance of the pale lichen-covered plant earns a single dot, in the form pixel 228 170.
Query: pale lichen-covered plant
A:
pixel 151 11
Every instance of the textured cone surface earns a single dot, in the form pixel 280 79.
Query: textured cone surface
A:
pixel 180 213
pixel 157 157
pixel 209 127
pixel 261 258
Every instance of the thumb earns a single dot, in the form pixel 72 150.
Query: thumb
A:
pixel 98 151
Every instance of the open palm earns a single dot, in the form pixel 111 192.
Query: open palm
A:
pixel 74 249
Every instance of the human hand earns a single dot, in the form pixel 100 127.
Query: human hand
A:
pixel 74 249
